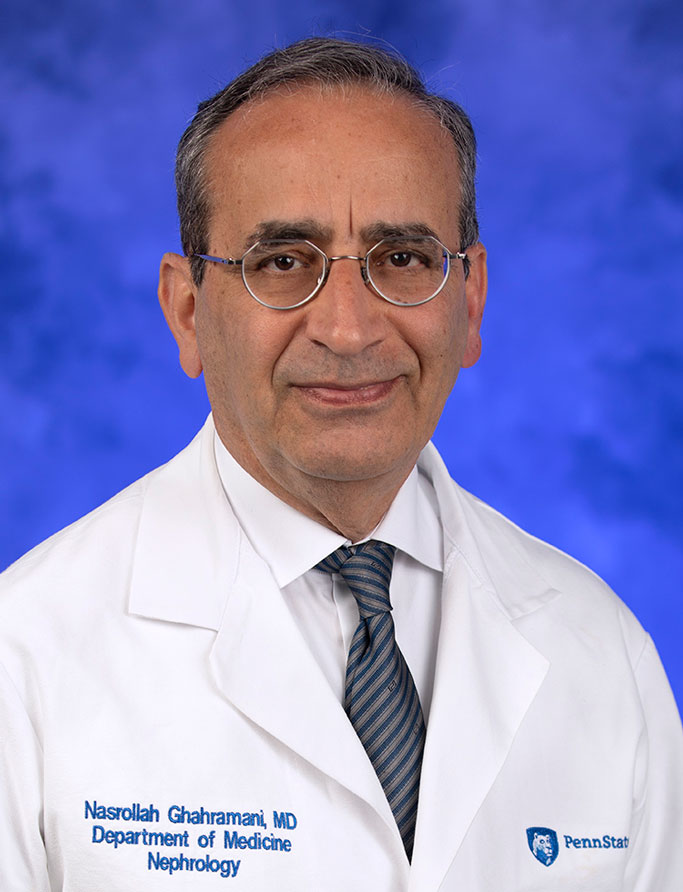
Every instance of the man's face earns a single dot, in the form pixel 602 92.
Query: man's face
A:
pixel 346 387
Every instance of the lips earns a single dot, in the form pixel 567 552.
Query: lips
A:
pixel 360 394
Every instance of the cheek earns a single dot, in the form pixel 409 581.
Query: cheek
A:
pixel 220 339
pixel 442 360
pixel 444 342
pixel 214 348
pixel 240 344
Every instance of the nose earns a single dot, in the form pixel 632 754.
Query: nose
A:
pixel 346 316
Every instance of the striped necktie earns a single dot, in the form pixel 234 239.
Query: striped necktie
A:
pixel 381 699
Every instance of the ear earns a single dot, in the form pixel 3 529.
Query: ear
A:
pixel 178 299
pixel 475 294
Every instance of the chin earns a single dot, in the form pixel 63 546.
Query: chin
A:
pixel 344 464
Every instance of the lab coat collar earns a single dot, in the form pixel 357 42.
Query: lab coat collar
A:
pixel 188 540
pixel 504 572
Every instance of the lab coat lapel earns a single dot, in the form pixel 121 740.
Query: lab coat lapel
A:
pixel 264 668
pixel 487 676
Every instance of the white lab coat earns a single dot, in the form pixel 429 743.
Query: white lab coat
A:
pixel 152 678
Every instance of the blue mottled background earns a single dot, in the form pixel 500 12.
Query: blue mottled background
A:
pixel 572 423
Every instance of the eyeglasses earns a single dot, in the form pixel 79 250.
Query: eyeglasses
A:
pixel 286 273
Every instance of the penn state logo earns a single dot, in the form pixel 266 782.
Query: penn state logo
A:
pixel 543 844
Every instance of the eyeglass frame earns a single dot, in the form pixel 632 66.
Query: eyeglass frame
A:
pixel 327 264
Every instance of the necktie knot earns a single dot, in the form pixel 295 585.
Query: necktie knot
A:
pixel 366 569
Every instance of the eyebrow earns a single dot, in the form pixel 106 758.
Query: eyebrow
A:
pixel 275 230
pixel 312 231
pixel 375 232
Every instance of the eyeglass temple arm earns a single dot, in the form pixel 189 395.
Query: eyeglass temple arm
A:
pixel 227 261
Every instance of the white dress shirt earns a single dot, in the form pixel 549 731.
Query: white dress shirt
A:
pixel 322 604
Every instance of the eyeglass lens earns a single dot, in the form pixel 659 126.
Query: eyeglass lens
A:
pixel 406 270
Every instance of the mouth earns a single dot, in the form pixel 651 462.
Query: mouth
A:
pixel 345 395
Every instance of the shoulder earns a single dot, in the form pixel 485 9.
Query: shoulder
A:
pixel 169 534
pixel 581 602
pixel 533 581
pixel 89 556
pixel 500 534
pixel 70 562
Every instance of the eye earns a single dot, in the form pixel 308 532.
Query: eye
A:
pixel 401 256
pixel 402 259
pixel 281 263
pixel 279 258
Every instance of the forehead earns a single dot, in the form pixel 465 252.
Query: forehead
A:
pixel 345 158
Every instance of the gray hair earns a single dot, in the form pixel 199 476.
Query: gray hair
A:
pixel 331 63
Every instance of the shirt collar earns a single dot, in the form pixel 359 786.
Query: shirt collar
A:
pixel 292 543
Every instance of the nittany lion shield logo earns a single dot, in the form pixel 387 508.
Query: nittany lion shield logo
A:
pixel 543 844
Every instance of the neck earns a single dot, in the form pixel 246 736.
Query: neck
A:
pixel 351 508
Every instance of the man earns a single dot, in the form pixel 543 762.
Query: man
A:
pixel 202 680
